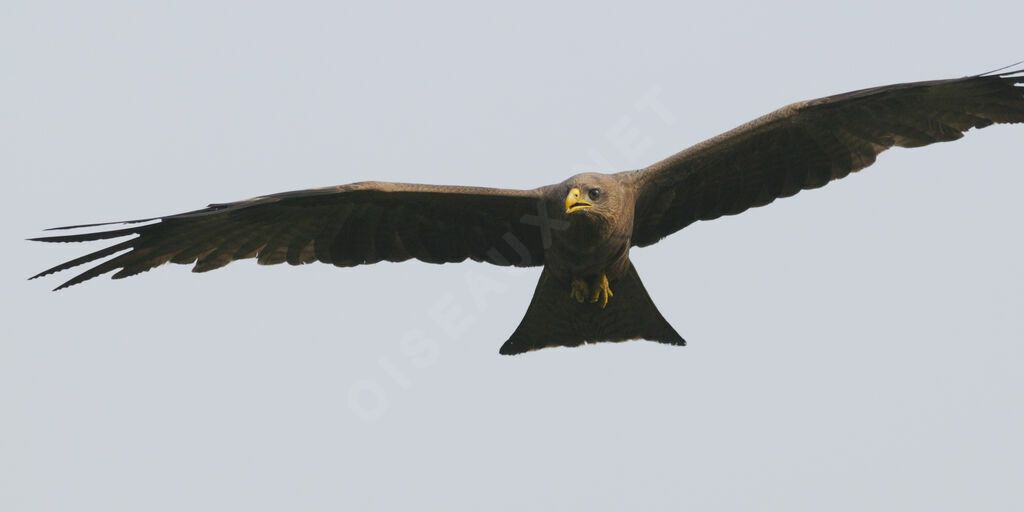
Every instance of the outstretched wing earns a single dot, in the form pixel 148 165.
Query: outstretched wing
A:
pixel 347 225
pixel 806 145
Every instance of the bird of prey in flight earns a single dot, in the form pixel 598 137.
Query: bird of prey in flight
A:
pixel 580 230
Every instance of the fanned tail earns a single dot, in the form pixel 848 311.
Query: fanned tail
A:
pixel 554 319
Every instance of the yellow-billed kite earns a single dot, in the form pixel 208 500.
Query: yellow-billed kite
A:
pixel 579 230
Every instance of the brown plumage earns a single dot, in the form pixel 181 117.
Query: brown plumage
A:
pixel 579 230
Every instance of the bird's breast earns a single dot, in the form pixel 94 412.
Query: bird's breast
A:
pixel 583 250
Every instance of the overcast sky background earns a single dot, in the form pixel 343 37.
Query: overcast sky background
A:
pixel 854 347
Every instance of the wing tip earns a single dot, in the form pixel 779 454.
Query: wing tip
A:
pixel 1002 73
pixel 97 224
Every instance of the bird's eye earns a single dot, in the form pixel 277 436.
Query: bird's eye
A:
pixel 594 194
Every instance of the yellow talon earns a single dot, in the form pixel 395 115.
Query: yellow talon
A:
pixel 601 292
pixel 579 290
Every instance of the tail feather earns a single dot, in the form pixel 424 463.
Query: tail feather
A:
pixel 555 319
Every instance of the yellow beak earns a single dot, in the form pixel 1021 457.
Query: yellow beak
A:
pixel 574 203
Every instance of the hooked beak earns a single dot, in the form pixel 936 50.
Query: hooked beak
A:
pixel 574 203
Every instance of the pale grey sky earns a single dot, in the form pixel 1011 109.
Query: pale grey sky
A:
pixel 854 347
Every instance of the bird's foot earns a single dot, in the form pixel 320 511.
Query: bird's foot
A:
pixel 600 292
pixel 580 290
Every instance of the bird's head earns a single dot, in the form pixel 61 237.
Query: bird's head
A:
pixel 593 197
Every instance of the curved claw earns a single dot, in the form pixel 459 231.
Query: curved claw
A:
pixel 601 292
